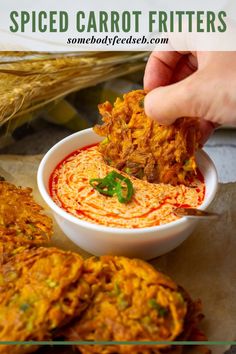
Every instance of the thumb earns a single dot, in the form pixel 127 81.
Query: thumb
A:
pixel 167 103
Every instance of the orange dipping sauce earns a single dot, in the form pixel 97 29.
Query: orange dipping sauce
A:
pixel 151 204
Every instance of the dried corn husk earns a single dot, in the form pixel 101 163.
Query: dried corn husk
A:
pixel 29 80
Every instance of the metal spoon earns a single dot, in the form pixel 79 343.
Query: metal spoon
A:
pixel 195 213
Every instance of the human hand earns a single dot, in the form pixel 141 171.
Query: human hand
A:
pixel 192 84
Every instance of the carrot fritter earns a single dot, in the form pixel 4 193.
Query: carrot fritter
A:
pixel 10 246
pixel 131 302
pixel 22 223
pixel 40 290
pixel 141 147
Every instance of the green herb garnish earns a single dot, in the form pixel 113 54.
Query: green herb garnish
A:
pixel 114 184
pixel 51 283
pixel 162 311
pixel 24 307
pixel 116 290
pixel 141 103
pixel 122 303
pixel 180 298
pixel 105 141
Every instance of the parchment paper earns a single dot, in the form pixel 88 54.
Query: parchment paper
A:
pixel 205 264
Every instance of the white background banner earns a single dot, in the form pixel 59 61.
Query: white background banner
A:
pixel 91 25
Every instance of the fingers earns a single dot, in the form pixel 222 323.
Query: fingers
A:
pixel 159 69
pixel 206 129
pixel 166 104
pixel 177 90
pixel 173 102
pixel 186 66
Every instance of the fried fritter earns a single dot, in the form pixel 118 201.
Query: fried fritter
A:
pixel 40 290
pixel 22 223
pixel 132 302
pixel 141 147
pixel 10 246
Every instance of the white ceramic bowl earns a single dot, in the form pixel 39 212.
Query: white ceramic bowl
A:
pixel 146 243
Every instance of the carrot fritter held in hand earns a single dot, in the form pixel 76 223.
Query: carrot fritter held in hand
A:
pixel 141 147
